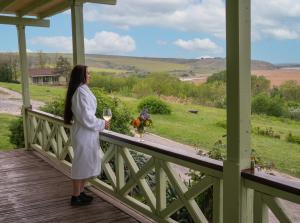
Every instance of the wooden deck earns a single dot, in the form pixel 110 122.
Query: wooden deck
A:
pixel 33 191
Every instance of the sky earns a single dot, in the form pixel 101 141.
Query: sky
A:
pixel 169 28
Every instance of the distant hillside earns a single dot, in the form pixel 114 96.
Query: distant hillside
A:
pixel 145 65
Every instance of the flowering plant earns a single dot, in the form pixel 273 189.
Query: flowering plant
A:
pixel 142 121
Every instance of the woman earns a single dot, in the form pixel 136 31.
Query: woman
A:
pixel 80 109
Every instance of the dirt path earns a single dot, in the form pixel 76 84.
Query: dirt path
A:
pixel 11 102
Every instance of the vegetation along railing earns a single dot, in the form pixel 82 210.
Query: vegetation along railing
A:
pixel 165 185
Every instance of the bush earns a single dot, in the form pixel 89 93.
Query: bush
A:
pixel 290 91
pixel 217 77
pixel 263 104
pixel 17 133
pixel 121 116
pixel 293 138
pixel 259 84
pixel 154 106
pixel 268 131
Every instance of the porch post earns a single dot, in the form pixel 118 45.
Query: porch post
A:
pixel 77 32
pixel 24 80
pixel 237 199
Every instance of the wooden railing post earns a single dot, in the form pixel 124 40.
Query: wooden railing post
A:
pixel 238 22
pixel 24 81
pixel 77 32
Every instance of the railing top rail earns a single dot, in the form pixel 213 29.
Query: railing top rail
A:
pixel 272 181
pixel 190 157
pixel 48 116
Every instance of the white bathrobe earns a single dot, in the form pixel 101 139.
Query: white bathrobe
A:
pixel 85 135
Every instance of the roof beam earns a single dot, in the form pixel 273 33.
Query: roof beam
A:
pixel 32 7
pixel 108 2
pixel 10 20
pixel 6 3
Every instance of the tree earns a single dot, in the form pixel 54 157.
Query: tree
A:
pixel 259 84
pixel 290 91
pixel 13 61
pixel 6 74
pixel 63 67
pixel 219 77
pixel 42 59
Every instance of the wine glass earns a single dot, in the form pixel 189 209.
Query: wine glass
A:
pixel 107 114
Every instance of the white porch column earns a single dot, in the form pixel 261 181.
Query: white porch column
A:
pixel 24 79
pixel 77 32
pixel 237 202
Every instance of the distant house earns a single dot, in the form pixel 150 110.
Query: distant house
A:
pixel 46 76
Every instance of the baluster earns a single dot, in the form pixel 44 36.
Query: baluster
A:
pixel 59 142
pixel 218 201
pixel 44 135
pixel 120 174
pixel 160 187
pixel 260 209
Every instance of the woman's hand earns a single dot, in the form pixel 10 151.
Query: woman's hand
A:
pixel 107 124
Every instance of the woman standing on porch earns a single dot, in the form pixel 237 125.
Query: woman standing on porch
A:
pixel 80 109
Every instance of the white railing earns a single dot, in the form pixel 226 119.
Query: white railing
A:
pixel 153 179
pixel 158 186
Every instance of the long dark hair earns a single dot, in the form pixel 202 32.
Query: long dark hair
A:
pixel 78 77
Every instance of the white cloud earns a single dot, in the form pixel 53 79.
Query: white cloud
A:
pixel 282 33
pixel 103 42
pixel 184 15
pixel 276 19
pixel 58 43
pixel 270 19
pixel 199 44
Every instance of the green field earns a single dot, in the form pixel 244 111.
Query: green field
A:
pixel 39 92
pixel 201 130
pixel 5 121
pixel 107 70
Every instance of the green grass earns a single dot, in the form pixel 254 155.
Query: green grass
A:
pixel 38 92
pixel 202 131
pixel 107 70
pixel 5 121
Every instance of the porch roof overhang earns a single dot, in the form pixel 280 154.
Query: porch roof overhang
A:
pixel 16 11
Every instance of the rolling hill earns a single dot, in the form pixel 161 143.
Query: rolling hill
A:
pixel 145 65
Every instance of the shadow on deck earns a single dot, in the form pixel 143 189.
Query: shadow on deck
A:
pixel 33 191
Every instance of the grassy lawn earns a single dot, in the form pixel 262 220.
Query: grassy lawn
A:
pixel 201 130
pixel 5 121
pixel 38 92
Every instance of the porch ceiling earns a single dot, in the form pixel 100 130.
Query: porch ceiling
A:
pixel 41 8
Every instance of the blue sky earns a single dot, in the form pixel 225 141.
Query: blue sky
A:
pixel 174 28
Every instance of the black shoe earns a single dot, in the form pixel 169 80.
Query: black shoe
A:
pixel 79 201
pixel 85 197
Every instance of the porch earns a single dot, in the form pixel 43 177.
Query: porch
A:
pixel 238 195
pixel 34 191
pixel 49 140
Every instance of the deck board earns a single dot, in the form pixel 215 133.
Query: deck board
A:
pixel 33 191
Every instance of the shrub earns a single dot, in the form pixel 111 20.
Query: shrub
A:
pixel 154 105
pixel 259 84
pixel 268 131
pixel 121 115
pixel 263 104
pixel 290 91
pixel 217 77
pixel 17 133
pixel 293 138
